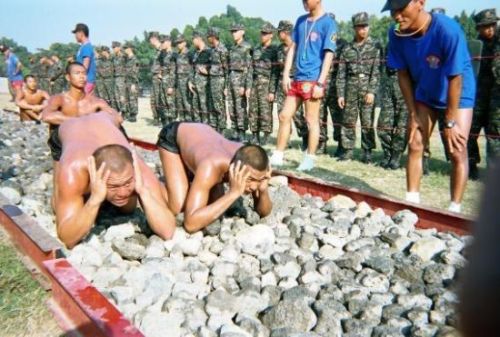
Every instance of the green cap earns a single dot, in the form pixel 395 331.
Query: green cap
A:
pixel 237 26
pixel 153 34
pixel 115 44
pixel 128 45
pixel 213 31
pixel 285 26
pixel 180 39
pixel 360 19
pixel 197 33
pixel 486 17
pixel 164 37
pixel 267 28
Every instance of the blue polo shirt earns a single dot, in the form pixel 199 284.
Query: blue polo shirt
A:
pixel 430 59
pixel 86 50
pixel 12 62
pixel 312 40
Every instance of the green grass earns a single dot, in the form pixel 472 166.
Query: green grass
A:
pixel 22 301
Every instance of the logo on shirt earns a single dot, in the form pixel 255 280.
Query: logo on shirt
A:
pixel 314 36
pixel 434 61
pixel 333 38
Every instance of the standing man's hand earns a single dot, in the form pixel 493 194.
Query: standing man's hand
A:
pixel 318 92
pixel 191 87
pixel 170 91
pixel 241 91
pixel 270 98
pixel 412 128
pixel 98 179
pixel 225 91
pixel 341 102
pixel 286 84
pixel 369 98
pixel 133 88
pixel 238 175
pixel 455 139
pixel 264 185
pixel 248 92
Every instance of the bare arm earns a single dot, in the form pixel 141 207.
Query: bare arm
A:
pixel 406 86
pixel 326 66
pixel 52 113
pixel 290 55
pixel 262 203
pixel 86 62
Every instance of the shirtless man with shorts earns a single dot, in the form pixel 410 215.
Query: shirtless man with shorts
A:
pixel 98 166
pixel 195 149
pixel 31 100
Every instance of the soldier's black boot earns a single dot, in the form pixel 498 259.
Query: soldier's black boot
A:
pixel 322 149
pixel 425 165
pixel 367 156
pixel 395 162
pixel 255 139
pixel 346 155
pixel 264 140
pixel 473 171
pixel 305 143
pixel 386 160
pixel 338 152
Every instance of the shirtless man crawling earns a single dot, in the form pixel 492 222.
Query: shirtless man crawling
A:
pixel 31 100
pixel 188 149
pixel 70 105
pixel 98 166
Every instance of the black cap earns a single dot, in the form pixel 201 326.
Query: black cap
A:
pixel 81 27
pixel 394 5
pixel 115 44
pixel 213 31
pixel 197 33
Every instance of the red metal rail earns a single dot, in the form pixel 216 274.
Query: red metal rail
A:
pixel 429 217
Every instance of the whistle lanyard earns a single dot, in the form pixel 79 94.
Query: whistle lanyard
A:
pixel 307 36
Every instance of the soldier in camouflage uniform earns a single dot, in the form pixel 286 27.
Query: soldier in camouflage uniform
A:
pixel 487 110
pixel 218 72
pixel 34 67
pixel 183 71
pixel 393 119
pixel 265 84
pixel 198 84
pixel 168 81
pixel 131 84
pixel 44 77
pixel 357 83
pixel 56 73
pixel 156 97
pixel 240 81
pixel 119 72
pixel 105 80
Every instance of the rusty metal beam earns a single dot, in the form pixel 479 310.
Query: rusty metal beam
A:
pixel 81 307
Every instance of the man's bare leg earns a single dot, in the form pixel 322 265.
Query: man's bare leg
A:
pixel 426 118
pixel 176 180
pixel 312 107
pixel 55 173
pixel 460 159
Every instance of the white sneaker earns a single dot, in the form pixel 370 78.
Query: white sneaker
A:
pixel 277 158
pixel 307 163
pixel 455 207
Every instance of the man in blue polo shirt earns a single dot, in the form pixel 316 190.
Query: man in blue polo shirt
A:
pixel 14 73
pixel 436 77
pixel 85 54
pixel 314 38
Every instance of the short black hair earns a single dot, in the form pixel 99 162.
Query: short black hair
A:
pixel 27 77
pixel 253 156
pixel 71 65
pixel 116 157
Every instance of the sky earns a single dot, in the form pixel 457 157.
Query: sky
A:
pixel 38 23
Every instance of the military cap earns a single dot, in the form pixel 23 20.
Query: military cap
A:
pixel 128 45
pixel 486 17
pixel 237 26
pixel 267 28
pixel 98 48
pixel 164 37
pixel 360 19
pixel 105 48
pixel 285 26
pixel 153 34
pixel 81 27
pixel 213 31
pixel 180 39
pixel 196 34
pixel 394 5
pixel 115 44
pixel 438 10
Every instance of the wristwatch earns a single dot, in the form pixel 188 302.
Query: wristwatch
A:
pixel 319 85
pixel 449 124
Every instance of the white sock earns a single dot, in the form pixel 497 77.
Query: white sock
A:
pixel 455 207
pixel 413 197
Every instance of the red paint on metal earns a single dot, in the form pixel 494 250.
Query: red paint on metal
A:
pixel 89 311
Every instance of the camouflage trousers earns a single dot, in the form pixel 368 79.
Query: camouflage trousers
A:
pixel 105 90
pixel 260 112
pixel 184 100
pixel 217 118
pixel 335 112
pixel 486 115
pixel 132 100
pixel 200 107
pixel 57 86
pixel 355 105
pixel 120 94
pixel 237 103
pixel 170 107
pixel 392 123
pixel 156 100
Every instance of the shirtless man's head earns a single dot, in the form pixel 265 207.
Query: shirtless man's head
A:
pixel 257 162
pixel 31 83
pixel 30 100
pixel 118 161
pixel 76 75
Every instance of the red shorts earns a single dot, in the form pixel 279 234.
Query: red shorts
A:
pixel 89 88
pixel 302 89
pixel 18 85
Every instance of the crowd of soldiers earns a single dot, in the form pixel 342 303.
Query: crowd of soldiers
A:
pixel 209 81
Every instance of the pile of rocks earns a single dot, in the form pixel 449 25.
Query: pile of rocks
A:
pixel 311 268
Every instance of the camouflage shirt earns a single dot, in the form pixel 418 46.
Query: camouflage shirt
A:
pixel 168 67
pixel 485 77
pixel 104 67
pixel 201 60
pixel 281 57
pixel 132 66
pixel 219 61
pixel 359 64
pixel 119 65
pixel 240 60
pixel 156 66
pixel 183 64
pixel 265 63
